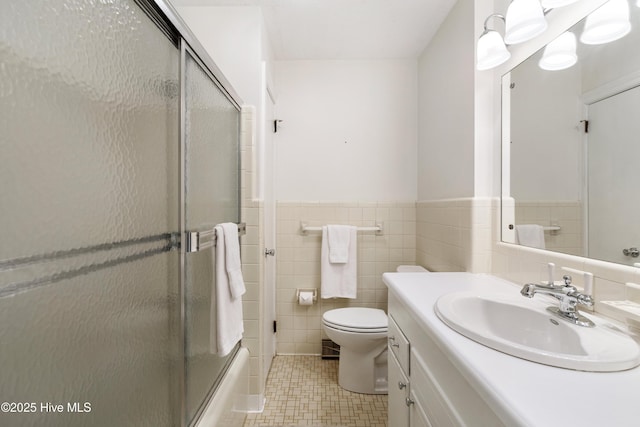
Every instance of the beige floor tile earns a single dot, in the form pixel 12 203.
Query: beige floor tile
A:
pixel 304 391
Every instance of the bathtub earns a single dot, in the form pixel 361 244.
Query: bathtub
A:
pixel 227 406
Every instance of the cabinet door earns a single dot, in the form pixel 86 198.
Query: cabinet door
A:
pixel 398 394
pixel 427 392
pixel 417 415
pixel 399 345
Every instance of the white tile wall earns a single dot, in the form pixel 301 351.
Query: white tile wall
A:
pixel 252 267
pixel 454 234
pixel 298 262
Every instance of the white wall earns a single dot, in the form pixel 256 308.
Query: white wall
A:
pixel 233 38
pixel 349 130
pixel 446 109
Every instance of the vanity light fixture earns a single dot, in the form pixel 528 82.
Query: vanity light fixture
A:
pixel 560 53
pixel 608 23
pixel 524 21
pixel 491 50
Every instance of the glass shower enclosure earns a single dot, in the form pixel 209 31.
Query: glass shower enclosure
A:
pixel 116 140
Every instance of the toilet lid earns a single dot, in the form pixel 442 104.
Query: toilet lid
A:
pixel 356 319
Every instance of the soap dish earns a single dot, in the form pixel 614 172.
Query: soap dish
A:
pixel 630 310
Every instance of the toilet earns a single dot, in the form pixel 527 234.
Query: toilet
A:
pixel 361 334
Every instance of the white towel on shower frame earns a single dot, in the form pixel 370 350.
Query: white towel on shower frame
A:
pixel 233 264
pixel 228 327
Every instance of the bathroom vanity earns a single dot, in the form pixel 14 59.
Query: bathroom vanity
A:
pixel 438 377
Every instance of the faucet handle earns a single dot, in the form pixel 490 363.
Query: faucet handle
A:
pixel 585 300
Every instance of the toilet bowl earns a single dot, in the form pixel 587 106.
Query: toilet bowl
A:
pixel 362 336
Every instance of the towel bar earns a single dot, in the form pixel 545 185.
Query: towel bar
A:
pixel 378 228
pixel 551 228
pixel 199 240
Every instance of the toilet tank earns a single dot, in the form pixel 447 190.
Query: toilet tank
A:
pixel 411 269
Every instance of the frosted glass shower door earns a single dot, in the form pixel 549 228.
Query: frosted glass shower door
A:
pixel 89 216
pixel 211 192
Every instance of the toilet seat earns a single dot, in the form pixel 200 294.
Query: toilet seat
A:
pixel 356 319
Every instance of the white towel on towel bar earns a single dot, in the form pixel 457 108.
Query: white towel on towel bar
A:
pixel 339 237
pixel 339 280
pixel 531 235
pixel 227 326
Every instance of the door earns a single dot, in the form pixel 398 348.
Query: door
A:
pixel 613 153
pixel 269 232
pixel 89 208
pixel 211 196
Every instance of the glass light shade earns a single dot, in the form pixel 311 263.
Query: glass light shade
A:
pixel 491 51
pixel 607 23
pixel 551 4
pixel 524 21
pixel 560 53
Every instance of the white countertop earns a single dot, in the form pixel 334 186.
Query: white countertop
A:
pixel 520 392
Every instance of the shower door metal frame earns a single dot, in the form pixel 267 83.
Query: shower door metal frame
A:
pixel 169 21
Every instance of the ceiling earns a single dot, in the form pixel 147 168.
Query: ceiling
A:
pixel 345 29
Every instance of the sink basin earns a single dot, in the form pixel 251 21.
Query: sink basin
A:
pixel 523 328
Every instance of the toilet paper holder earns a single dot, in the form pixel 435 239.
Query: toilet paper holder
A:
pixel 314 291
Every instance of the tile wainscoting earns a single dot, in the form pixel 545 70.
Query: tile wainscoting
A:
pixel 298 262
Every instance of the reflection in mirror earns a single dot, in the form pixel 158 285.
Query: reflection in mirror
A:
pixel 570 146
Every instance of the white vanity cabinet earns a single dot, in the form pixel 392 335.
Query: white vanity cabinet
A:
pixel 455 381
pixel 405 407
pixel 425 389
pixel 399 397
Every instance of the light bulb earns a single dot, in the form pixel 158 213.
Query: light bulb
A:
pixel 607 23
pixel 491 51
pixel 524 21
pixel 560 53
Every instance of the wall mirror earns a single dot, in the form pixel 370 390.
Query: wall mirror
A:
pixel 571 147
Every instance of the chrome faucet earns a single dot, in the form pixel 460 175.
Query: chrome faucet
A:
pixel 568 296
